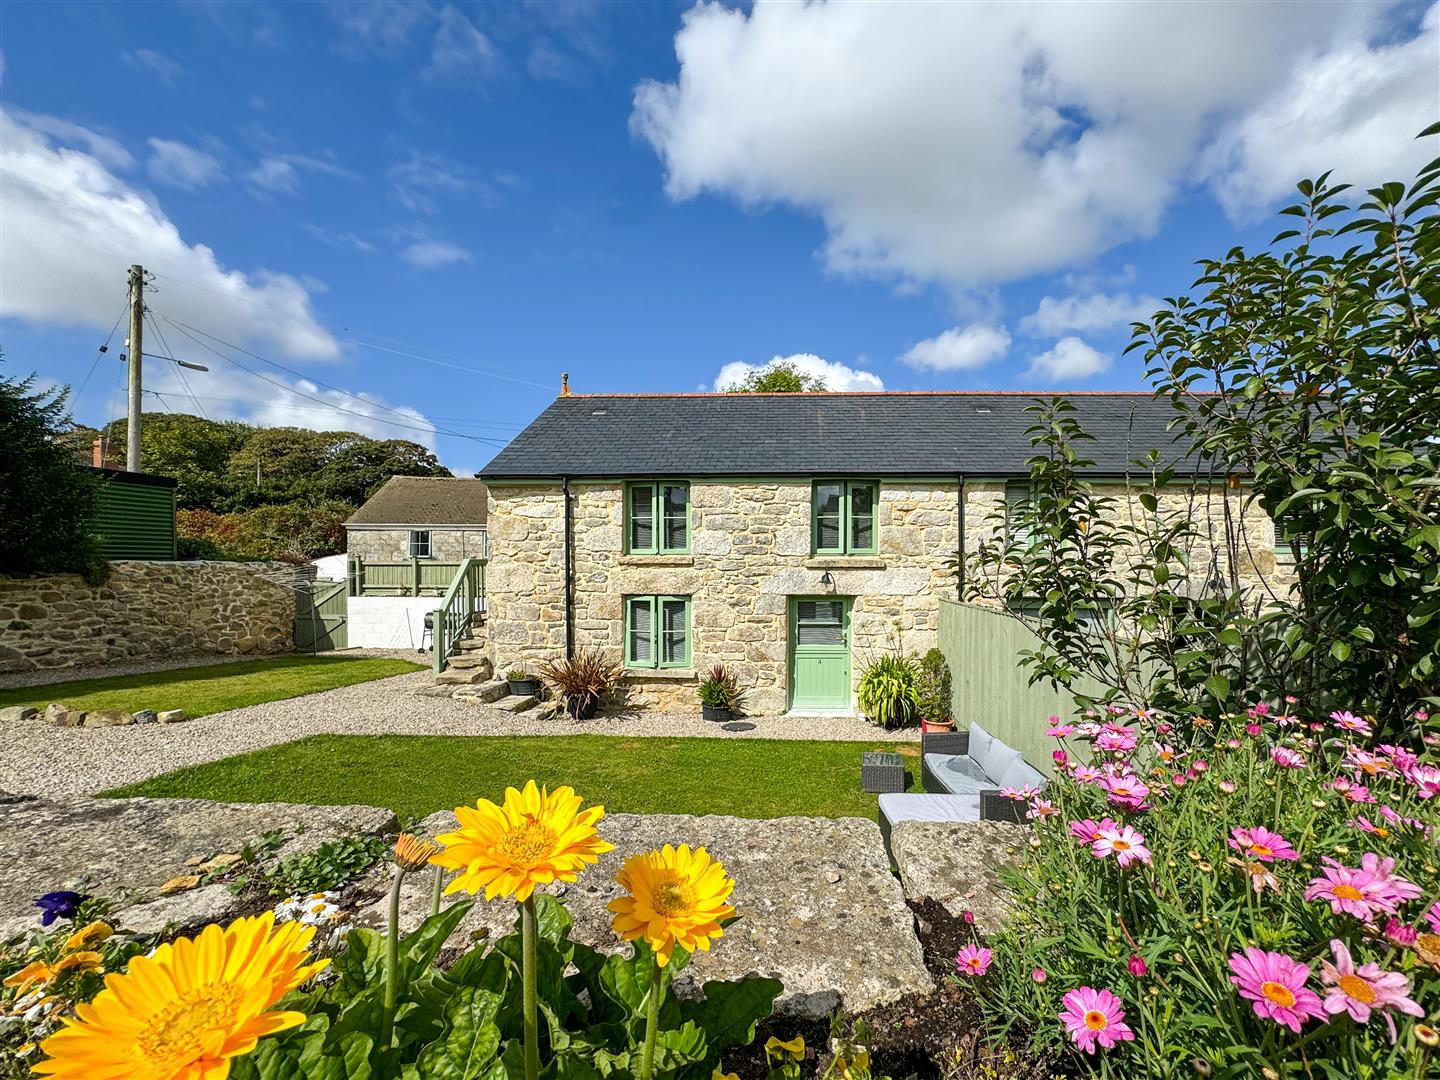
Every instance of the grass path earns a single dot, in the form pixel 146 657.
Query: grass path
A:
pixel 417 774
pixel 214 688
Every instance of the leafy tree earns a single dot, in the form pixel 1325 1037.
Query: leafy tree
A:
pixel 356 470
pixel 282 465
pixel 296 532
pixel 47 498
pixel 779 377
pixel 193 450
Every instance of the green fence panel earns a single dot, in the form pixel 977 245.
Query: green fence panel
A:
pixel 991 685
pixel 136 518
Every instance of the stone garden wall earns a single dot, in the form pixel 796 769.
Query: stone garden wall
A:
pixel 750 552
pixel 146 609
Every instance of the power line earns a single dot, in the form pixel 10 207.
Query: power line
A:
pixel 99 353
pixel 460 420
pixel 446 363
pixel 179 368
pixel 320 401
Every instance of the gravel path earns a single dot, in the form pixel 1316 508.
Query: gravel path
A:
pixel 47 676
pixel 42 760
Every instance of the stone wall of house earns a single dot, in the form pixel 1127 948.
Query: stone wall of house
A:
pixel 146 609
pixel 393 545
pixel 750 552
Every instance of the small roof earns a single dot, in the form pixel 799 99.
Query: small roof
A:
pixel 415 501
pixel 859 434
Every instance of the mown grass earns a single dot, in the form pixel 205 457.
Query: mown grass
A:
pixel 213 688
pixel 417 775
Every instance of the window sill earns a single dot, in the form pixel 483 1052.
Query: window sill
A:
pixel 657 560
pixel 669 674
pixel 845 562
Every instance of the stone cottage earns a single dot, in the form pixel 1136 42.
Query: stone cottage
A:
pixel 419 517
pixel 790 536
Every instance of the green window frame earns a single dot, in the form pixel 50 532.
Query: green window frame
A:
pixel 657 631
pixel 657 517
pixel 1017 499
pixel 843 519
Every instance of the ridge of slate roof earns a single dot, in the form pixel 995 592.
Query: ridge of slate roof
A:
pixel 861 433
pixel 424 500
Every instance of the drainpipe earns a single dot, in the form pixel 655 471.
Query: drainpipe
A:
pixel 569 572
pixel 960 551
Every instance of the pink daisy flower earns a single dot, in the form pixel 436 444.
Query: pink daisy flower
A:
pixel 1040 809
pixel 1059 731
pixel 1287 758
pixel 1125 789
pixel 1400 935
pixel 973 960
pixel 1363 893
pixel 1425 779
pixel 1362 761
pixel 1363 990
pixel 1262 844
pixel 1358 793
pixel 1087 774
pixel 1087 830
pixel 1113 742
pixel 1122 841
pixel 1348 721
pixel 1274 984
pixel 1094 1016
pixel 1432 916
pixel 1166 752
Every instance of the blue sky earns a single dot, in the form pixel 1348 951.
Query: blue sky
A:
pixel 425 212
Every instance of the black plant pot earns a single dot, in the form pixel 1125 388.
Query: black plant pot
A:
pixel 523 687
pixel 580 710
pixel 720 714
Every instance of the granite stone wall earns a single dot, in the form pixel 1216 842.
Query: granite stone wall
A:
pixel 146 610
pixel 393 545
pixel 750 552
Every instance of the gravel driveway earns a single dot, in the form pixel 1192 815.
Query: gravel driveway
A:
pixel 42 760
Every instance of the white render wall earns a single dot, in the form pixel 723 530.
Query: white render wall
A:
pixel 388 622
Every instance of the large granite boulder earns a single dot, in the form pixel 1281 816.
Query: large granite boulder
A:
pixel 819 909
pixel 956 863
pixel 126 849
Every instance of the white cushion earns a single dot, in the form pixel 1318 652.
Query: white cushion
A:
pixel 1002 760
pixel 1021 773
pixel 902 807
pixel 956 773
pixel 980 741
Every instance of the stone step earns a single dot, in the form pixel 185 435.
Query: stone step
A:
pixel 464 660
pixel 516 703
pixel 482 693
pixel 453 676
pixel 469 644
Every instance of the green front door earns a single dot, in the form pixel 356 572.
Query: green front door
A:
pixel 820 652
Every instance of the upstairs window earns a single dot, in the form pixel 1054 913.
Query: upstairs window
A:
pixel 657 518
pixel 657 631
pixel 419 543
pixel 1017 503
pixel 842 517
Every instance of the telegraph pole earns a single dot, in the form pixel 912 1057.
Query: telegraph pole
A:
pixel 136 352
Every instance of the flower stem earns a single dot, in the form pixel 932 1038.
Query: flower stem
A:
pixel 652 1021
pixel 392 963
pixel 529 962
pixel 439 886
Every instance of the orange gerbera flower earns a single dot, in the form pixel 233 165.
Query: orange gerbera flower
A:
pixel 182 1012
pixel 534 838
pixel 676 897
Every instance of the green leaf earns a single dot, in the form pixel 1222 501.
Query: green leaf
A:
pixel 1340 650
pixel 1218 687
pixel 729 1011
pixel 468 1049
pixel 419 948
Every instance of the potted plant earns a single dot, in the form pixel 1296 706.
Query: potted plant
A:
pixel 720 695
pixel 934 689
pixel 519 681
pixel 889 690
pixel 582 682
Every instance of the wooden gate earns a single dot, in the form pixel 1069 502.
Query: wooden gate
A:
pixel 320 616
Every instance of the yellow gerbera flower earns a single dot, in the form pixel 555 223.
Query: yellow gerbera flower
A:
pixel 536 837
pixel 84 960
pixel 181 1012
pixel 677 897
pixel 88 936
pixel 35 973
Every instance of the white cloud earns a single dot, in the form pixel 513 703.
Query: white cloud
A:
pixel 1354 109
pixel 959 349
pixel 972 144
pixel 1071 358
pixel 421 182
pixel 181 165
pixel 370 27
pixel 101 147
pixel 169 73
pixel 458 47
pixel 339 238
pixel 431 254
pixel 72 227
pixel 275 174
pixel 837 376
pixel 1097 311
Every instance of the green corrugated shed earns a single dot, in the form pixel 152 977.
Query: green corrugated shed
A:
pixel 135 515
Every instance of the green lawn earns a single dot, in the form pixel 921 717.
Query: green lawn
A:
pixel 213 688
pixel 417 775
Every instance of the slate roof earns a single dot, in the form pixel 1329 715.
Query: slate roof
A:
pixel 859 434
pixel 414 501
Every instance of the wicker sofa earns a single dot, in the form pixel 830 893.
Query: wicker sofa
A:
pixel 963 772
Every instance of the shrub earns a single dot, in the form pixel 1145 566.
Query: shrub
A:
pixel 1165 854
pixel 934 686
pixel 889 690
pixel 583 681
pixel 331 865
pixel 720 689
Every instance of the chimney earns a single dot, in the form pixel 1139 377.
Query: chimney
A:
pixel 97 453
pixel 564 384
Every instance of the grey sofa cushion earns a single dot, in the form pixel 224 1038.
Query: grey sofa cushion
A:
pixel 1020 774
pixel 957 774
pixel 980 744
pixel 1002 760
pixel 902 807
